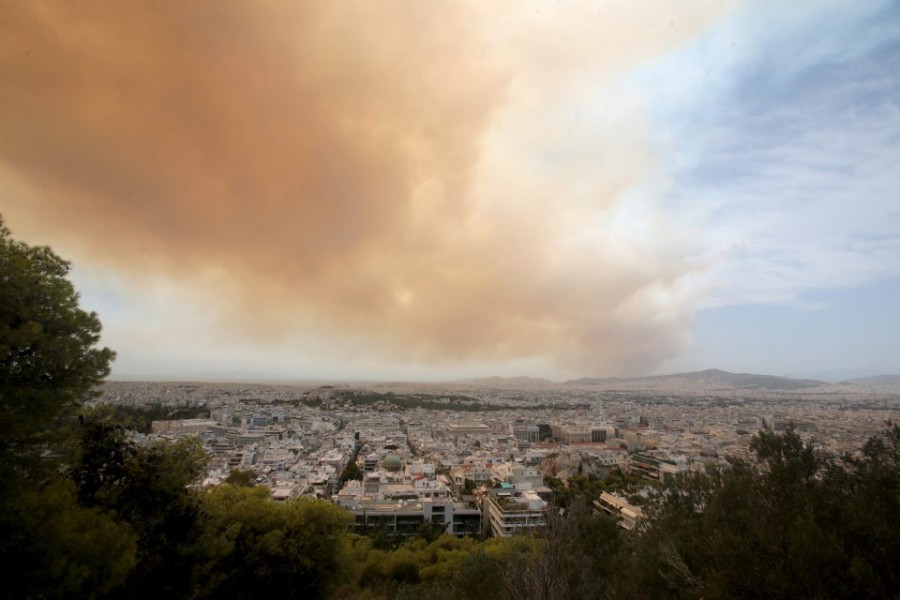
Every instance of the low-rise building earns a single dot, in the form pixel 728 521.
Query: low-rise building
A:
pixel 525 432
pixel 406 517
pixel 627 514
pixel 510 512
pixel 182 426
pixel 468 429
pixel 656 468
pixel 477 473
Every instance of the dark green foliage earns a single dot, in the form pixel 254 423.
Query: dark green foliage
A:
pixel 157 503
pixel 480 573
pixel 351 471
pixel 619 481
pixel 146 487
pixel 140 418
pixel 101 469
pixel 241 478
pixel 251 547
pixel 866 508
pixel 55 548
pixel 569 558
pixel 576 489
pixel 402 402
pixel 49 545
pixel 446 567
pixel 48 360
pixel 794 525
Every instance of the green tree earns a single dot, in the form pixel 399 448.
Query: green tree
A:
pixel 241 478
pixel 252 547
pixel 486 562
pixel 576 489
pixel 147 488
pixel 55 548
pixel 793 524
pixel 866 490
pixel 50 362
pixel 351 471
pixel 157 502
pixel 566 558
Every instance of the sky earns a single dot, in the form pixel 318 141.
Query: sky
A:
pixel 439 190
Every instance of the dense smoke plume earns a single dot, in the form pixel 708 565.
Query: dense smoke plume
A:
pixel 418 177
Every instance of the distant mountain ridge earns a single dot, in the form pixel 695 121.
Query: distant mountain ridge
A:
pixel 713 377
pixel 833 375
pixel 507 381
pixel 706 379
pixel 877 380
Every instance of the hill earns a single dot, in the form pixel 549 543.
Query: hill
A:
pixel 877 381
pixel 521 381
pixel 710 378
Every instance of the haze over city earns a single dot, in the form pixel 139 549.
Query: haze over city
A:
pixel 435 191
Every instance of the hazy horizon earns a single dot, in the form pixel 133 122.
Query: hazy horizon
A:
pixel 827 376
pixel 421 191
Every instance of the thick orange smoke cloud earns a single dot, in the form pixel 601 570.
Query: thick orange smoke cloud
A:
pixel 370 170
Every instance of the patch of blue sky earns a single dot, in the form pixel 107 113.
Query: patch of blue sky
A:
pixel 848 329
pixel 780 127
pixel 100 293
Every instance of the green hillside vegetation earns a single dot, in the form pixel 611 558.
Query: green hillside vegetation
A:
pixel 88 512
pixel 402 402
pixel 140 418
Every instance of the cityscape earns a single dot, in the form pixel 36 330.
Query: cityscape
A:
pixel 473 456
pixel 470 300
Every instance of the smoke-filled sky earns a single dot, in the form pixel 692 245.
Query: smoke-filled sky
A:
pixel 438 189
